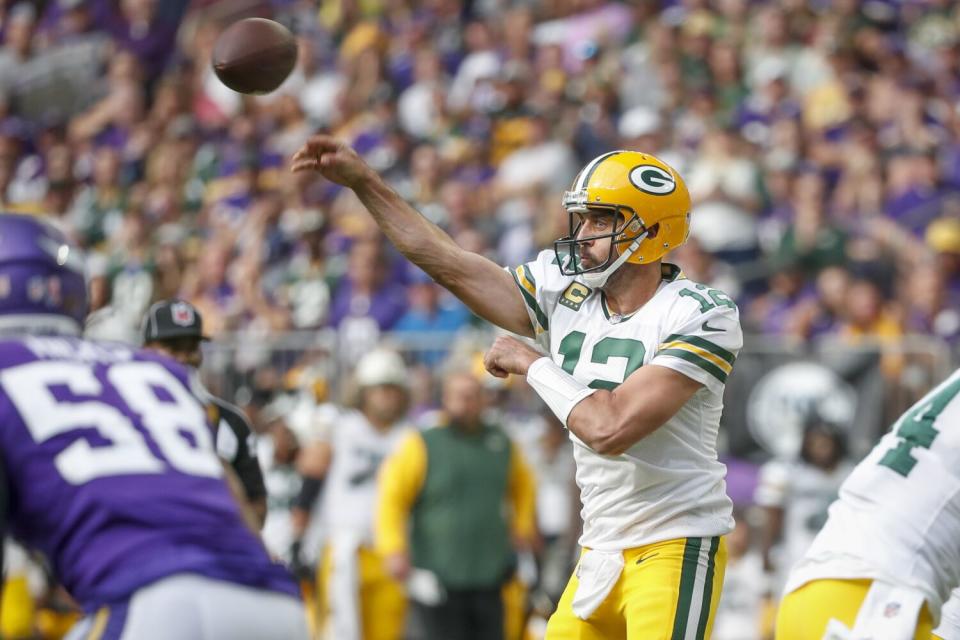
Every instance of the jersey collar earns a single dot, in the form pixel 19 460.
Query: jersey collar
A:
pixel 668 273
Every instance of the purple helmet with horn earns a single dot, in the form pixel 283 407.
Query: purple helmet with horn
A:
pixel 42 281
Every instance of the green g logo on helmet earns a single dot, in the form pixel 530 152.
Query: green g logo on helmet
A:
pixel 653 180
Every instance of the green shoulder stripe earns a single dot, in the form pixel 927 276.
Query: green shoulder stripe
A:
pixel 693 358
pixel 706 345
pixel 531 302
pixel 529 275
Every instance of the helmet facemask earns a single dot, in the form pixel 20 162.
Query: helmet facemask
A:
pixel 626 235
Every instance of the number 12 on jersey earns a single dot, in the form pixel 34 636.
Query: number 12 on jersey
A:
pixel 609 347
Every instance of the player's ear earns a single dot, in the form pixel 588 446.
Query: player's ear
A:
pixel 653 231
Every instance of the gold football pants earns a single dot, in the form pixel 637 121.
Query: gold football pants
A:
pixel 667 591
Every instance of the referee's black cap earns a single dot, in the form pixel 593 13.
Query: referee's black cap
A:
pixel 170 319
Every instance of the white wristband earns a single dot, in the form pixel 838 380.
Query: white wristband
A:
pixel 556 387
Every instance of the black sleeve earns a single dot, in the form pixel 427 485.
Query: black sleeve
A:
pixel 309 491
pixel 245 463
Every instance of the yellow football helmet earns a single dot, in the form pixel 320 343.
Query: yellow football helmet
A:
pixel 646 193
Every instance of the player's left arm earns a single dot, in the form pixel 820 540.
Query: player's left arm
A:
pixel 698 352
pixel 610 422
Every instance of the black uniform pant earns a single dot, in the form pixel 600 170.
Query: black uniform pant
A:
pixel 469 614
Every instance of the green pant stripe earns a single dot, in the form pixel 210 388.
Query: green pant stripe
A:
pixel 706 345
pixel 708 589
pixel 703 363
pixel 688 576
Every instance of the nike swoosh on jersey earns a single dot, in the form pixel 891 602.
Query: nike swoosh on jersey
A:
pixel 706 327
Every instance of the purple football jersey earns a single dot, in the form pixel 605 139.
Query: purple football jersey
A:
pixel 112 471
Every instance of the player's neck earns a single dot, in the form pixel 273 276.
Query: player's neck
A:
pixel 631 287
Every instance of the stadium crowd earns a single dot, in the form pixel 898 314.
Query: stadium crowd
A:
pixel 819 141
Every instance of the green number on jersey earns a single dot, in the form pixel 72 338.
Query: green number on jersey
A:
pixel 570 350
pixel 915 429
pixel 719 298
pixel 632 350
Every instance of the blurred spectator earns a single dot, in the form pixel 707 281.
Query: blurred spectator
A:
pixel 467 497
pixel 367 300
pixel 538 161
pixel 929 308
pixel 914 195
pixel 470 86
pixel 305 280
pixel 943 239
pixel 868 315
pixel 722 182
pixel 147 28
pixel 211 290
pixel 420 105
pixel 822 314
pixel 99 207
pixel 810 241
pixel 17 43
pixel 432 314
pixel 775 311
pixel 701 266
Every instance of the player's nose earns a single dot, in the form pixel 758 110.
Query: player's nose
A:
pixel 585 233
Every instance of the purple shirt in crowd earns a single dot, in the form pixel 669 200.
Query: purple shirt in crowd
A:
pixel 385 306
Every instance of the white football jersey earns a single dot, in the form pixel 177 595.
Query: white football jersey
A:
pixel 898 515
pixel 350 489
pixel 949 628
pixel 670 484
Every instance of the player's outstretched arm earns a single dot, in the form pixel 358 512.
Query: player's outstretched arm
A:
pixel 480 283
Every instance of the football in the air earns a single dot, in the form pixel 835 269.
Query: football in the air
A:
pixel 254 55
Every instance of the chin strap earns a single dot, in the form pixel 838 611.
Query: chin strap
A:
pixel 597 279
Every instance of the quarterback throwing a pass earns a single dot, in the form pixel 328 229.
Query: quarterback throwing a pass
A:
pixel 605 308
